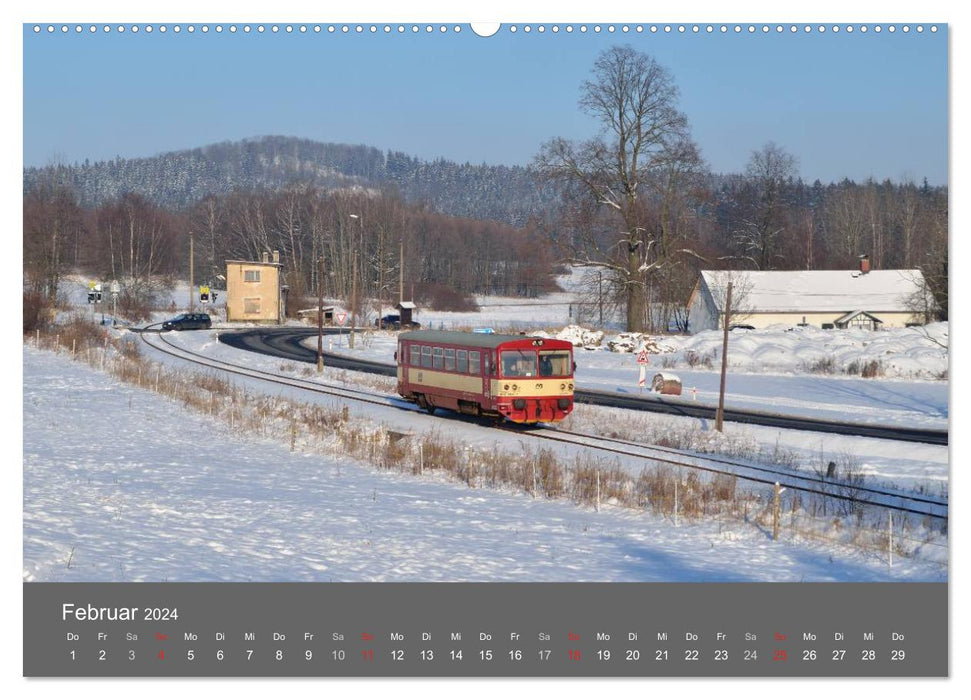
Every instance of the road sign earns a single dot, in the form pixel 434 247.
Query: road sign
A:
pixel 643 378
pixel 642 358
pixel 340 317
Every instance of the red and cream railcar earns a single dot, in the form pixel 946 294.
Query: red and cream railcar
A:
pixel 523 379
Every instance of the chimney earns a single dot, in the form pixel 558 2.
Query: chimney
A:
pixel 864 264
pixel 276 256
pixel 266 257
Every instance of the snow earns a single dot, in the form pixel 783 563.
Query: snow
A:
pixel 121 484
pixel 791 390
pixel 808 291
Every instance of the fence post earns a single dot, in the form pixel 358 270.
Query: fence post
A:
pixel 598 491
pixel 158 374
pixel 775 513
pixel 677 478
pixel 890 539
pixel 37 340
pixel 421 458
pixel 468 470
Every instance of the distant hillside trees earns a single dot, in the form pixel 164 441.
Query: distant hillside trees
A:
pixel 179 179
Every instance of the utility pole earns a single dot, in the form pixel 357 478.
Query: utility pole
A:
pixel 720 416
pixel 350 341
pixel 600 295
pixel 192 272
pixel 401 269
pixel 320 315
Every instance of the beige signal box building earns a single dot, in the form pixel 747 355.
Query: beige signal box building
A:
pixel 254 290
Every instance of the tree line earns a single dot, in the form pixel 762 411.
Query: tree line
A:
pixel 639 207
pixel 323 237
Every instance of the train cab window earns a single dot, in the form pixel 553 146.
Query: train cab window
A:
pixel 449 359
pixel 462 361
pixel 426 356
pixel 437 356
pixel 554 363
pixel 415 355
pixel 518 363
pixel 473 362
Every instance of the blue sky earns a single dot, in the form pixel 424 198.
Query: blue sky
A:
pixel 846 105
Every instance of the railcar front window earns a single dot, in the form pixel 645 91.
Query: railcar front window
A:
pixel 554 363
pixel 518 363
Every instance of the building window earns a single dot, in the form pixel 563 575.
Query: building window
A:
pixel 251 275
pixel 251 305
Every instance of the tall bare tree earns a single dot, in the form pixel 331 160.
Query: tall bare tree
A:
pixel 768 172
pixel 643 136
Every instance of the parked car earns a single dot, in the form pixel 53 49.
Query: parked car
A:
pixel 393 321
pixel 741 327
pixel 188 322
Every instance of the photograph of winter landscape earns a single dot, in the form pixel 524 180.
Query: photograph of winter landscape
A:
pixel 542 303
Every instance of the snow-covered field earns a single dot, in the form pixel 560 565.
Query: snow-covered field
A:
pixel 121 484
pixel 881 462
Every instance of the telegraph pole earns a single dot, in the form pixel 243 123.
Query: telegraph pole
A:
pixel 401 269
pixel 192 271
pixel 350 341
pixel 320 315
pixel 720 415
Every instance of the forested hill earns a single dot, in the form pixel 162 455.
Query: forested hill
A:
pixel 180 178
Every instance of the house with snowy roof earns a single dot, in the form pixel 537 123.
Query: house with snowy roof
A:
pixel 862 298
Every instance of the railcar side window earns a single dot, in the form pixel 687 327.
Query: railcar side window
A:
pixel 473 361
pixel 462 361
pixel 518 363
pixel 415 355
pixel 449 359
pixel 426 356
pixel 554 363
pixel 437 356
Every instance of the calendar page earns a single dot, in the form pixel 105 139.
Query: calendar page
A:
pixel 545 349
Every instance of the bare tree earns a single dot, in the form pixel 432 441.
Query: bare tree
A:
pixel 643 135
pixel 768 171
pixel 741 294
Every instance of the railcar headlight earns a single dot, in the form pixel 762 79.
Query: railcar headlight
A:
pixel 562 387
pixel 515 387
pixel 571 387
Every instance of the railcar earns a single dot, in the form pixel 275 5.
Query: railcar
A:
pixel 519 378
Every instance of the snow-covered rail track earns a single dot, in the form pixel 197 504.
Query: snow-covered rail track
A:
pixel 896 500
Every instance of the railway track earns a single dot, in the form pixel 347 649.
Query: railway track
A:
pixel 286 343
pixel 901 501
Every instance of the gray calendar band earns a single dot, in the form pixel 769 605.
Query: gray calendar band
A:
pixel 482 630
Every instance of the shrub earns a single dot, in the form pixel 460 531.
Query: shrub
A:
pixel 441 297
